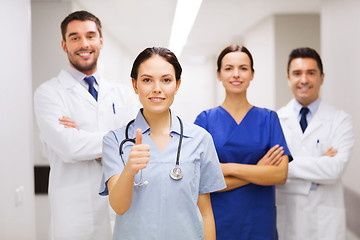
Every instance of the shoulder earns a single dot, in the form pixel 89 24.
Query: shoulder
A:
pixel 286 110
pixel 208 114
pixel 115 135
pixel 51 88
pixel 194 131
pixel 328 111
pixel 265 112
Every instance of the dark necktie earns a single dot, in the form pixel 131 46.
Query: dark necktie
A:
pixel 303 123
pixel 90 80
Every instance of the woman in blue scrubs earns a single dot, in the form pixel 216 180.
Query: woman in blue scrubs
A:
pixel 252 151
pixel 157 206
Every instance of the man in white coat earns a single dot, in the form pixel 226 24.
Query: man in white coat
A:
pixel 74 111
pixel 320 138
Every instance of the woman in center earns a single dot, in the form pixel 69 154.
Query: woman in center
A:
pixel 150 202
pixel 252 150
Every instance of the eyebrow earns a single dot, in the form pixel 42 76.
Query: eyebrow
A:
pixel 76 33
pixel 165 75
pixel 242 65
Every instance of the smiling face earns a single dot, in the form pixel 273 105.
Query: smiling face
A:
pixel 235 73
pixel 305 80
pixel 82 44
pixel 156 85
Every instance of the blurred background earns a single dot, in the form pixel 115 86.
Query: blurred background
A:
pixel 31 54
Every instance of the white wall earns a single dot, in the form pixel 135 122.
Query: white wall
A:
pixel 198 90
pixel 47 56
pixel 340 38
pixel 270 43
pixel 260 42
pixel 292 31
pixel 16 172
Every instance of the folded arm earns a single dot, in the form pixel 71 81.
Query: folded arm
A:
pixel 270 170
pixel 72 143
pixel 328 168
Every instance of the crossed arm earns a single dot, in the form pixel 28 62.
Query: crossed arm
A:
pixel 270 170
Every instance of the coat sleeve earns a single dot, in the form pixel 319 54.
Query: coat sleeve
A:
pixel 71 144
pixel 324 169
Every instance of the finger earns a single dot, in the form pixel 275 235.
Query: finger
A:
pixel 279 159
pixel 277 155
pixel 138 138
pixel 272 150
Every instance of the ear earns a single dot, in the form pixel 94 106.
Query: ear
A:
pixel 63 45
pixel 134 83
pixel 178 83
pixel 322 78
pixel 218 75
pixel 288 81
pixel 101 42
pixel 252 75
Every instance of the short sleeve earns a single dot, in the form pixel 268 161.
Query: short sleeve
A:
pixel 112 164
pixel 211 176
pixel 201 120
pixel 277 134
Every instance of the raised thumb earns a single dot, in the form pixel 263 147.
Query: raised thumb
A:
pixel 138 138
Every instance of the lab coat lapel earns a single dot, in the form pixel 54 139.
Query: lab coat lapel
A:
pixel 104 89
pixel 75 87
pixel 290 118
pixel 317 120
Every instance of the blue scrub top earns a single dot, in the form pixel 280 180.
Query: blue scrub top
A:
pixel 165 208
pixel 247 212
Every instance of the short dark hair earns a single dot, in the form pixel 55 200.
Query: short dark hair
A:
pixel 305 52
pixel 165 53
pixel 81 16
pixel 234 48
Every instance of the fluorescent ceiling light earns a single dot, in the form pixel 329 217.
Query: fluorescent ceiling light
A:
pixel 185 15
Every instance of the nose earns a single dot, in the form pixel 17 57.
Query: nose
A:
pixel 84 43
pixel 157 87
pixel 236 72
pixel 303 79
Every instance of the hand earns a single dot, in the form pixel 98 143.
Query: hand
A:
pixel 68 122
pixel 331 152
pixel 139 155
pixel 226 169
pixel 273 157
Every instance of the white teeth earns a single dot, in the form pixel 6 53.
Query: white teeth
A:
pixel 157 99
pixel 84 54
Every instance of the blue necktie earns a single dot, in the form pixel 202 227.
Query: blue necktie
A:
pixel 303 122
pixel 90 80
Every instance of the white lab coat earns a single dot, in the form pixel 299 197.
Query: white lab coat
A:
pixel 77 211
pixel 306 212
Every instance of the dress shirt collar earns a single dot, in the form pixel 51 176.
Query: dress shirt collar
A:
pixel 313 107
pixel 79 76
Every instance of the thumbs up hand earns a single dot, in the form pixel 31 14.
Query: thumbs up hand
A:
pixel 139 155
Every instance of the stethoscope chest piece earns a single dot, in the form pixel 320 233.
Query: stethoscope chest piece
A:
pixel 176 173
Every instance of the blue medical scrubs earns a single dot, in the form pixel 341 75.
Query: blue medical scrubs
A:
pixel 165 208
pixel 247 212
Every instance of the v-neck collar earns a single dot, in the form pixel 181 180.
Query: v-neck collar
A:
pixel 238 124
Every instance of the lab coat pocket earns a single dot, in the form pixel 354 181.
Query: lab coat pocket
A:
pixel 71 212
pixel 331 222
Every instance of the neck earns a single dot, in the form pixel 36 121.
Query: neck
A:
pixel 236 102
pixel 160 123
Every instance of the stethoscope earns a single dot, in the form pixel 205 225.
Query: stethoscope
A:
pixel 175 173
